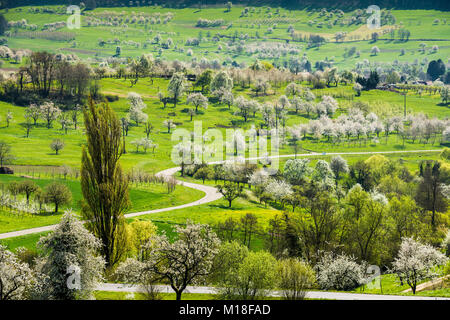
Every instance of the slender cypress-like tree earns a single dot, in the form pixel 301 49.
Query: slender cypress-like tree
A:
pixel 104 185
pixel 429 192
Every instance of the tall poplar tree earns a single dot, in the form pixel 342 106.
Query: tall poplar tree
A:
pixel 104 185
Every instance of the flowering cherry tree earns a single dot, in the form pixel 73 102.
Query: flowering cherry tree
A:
pixel 197 100
pixel 296 170
pixel 16 278
pixel 181 263
pixel 278 189
pixel 416 261
pixel 136 106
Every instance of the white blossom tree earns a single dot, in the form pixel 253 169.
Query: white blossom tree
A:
pixel 338 165
pixel 297 104
pixel 136 106
pixel 308 95
pixel 284 102
pixel 197 100
pixel 446 134
pixel 308 107
pixel 320 109
pixel 330 104
pixel 177 86
pixel 259 178
pixel 293 89
pixel 244 107
pixel 267 113
pixel 236 142
pixel 323 174
pixel 375 50
pixel 70 262
pixel 16 277
pixel 339 272
pixel 221 81
pixel 358 88
pixel 33 112
pixel 169 125
pixel 261 85
pixel 225 96
pixel 416 261
pixel 296 170
pixel 279 189
pixel 49 112
pixel 184 151
pixel 181 263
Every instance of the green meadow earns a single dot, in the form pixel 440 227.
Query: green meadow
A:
pixel 34 152
pixel 34 159
pixel 254 27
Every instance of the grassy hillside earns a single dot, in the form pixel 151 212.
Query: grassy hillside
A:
pixel 254 27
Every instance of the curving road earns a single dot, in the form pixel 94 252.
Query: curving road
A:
pixel 211 193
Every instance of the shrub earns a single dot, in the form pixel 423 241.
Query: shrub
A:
pixel 111 97
pixel 204 23
pixel 253 279
pixel 295 277
pixel 339 272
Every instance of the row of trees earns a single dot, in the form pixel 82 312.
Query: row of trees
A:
pixel 46 75
pixel 360 128
pixel 69 267
pixel 345 224
pixel 271 6
pixel 49 75
pixel 49 112
pixel 384 191
pixel 35 199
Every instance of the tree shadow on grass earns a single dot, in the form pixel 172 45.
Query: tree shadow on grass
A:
pixel 48 214
pixel 225 206
pixel 399 147
pixel 276 206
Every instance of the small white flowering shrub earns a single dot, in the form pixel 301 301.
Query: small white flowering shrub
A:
pixel 339 272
